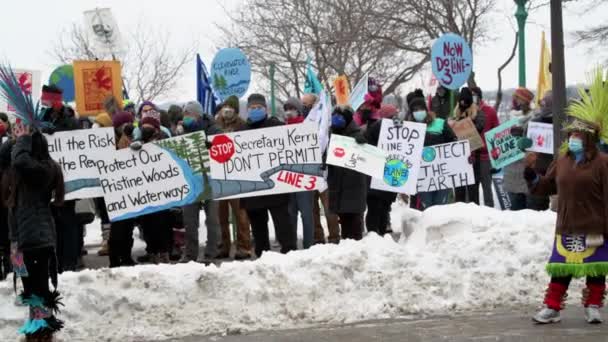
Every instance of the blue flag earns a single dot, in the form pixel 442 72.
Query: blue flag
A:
pixel 312 85
pixel 204 91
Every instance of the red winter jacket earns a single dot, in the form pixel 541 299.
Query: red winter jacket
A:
pixel 491 122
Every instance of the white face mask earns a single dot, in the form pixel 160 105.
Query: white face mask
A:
pixel 291 113
pixel 228 113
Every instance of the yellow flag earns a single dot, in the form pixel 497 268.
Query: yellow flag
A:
pixel 544 71
pixel 342 90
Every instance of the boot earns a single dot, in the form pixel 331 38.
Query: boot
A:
pixel 105 235
pixel 104 250
pixel 154 258
pixel 164 258
pixel 554 303
pixel 593 300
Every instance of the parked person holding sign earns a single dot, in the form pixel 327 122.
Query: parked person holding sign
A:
pixel 195 120
pixel 579 177
pixel 66 223
pixel 347 188
pixel 437 132
pixel 229 121
pixel 30 183
pixel 278 205
pixel 485 167
pixel 300 201
pixel 468 109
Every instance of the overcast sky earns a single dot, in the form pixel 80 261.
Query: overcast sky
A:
pixel 30 28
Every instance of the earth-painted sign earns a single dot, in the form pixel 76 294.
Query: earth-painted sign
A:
pixel 452 60
pixel 230 73
pixel 63 78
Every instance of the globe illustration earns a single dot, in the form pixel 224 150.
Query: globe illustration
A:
pixel 63 77
pixel 396 173
pixel 428 154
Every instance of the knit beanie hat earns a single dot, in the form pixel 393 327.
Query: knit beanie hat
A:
pixel 151 118
pixel 121 118
pixel 232 102
pixel 416 99
pixel 294 103
pixel 524 95
pixel 52 95
pixel 256 99
pixel 103 120
pixel 145 103
pixel 193 107
pixel 465 97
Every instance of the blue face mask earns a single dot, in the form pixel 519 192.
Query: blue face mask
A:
pixel 575 145
pixel 190 122
pixel 419 115
pixel 257 114
pixel 338 121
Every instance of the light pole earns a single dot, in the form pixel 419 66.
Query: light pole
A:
pixel 522 15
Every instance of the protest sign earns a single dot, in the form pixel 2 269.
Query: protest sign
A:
pixel 94 82
pixel 78 153
pixel 63 78
pixel 29 82
pixel 345 152
pixel 451 60
pixel 342 90
pixel 321 115
pixel 162 175
pixel 230 73
pixel 541 135
pixel 403 144
pixel 502 145
pixel 357 96
pixel 503 197
pixel 465 130
pixel 100 25
pixel 266 161
pixel 445 167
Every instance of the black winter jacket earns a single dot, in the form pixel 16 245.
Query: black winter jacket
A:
pixel 61 122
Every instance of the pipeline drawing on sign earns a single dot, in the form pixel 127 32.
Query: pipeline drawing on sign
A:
pixel 79 184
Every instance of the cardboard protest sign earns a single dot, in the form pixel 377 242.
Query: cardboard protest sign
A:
pixel 162 175
pixel 445 167
pixel 103 29
pixel 266 161
pixel 342 90
pixel 502 145
pixel 78 153
pixel 94 82
pixel 503 197
pixel 403 144
pixel 541 135
pixel 357 96
pixel 29 82
pixel 63 78
pixel 345 152
pixel 230 73
pixel 451 60
pixel 465 130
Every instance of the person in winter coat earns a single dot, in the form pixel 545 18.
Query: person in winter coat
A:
pixel 485 167
pixel 514 184
pixel 437 132
pixel 148 106
pixel 5 251
pixel 259 206
pixel 440 103
pixel 379 202
pixel 347 188
pixel 65 216
pixel 300 201
pixel 579 177
pixel 30 183
pixel 195 120
pixel 120 236
pixel 309 101
pixel 228 120
pixel 367 114
pixel 468 109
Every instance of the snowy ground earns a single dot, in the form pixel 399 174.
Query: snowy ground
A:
pixel 457 258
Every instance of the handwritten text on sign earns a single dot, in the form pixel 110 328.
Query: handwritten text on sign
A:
pixel 345 152
pixel 445 167
pixel 452 60
pixel 502 145
pixel 268 161
pixel 78 153
pixel 403 144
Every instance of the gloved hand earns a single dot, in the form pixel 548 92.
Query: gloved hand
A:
pixel 471 159
pixel 524 143
pixel 208 144
pixel 360 139
pixel 517 131
pixel 136 145
pixel 529 174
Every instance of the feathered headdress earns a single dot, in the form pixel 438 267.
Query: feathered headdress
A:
pixel 16 97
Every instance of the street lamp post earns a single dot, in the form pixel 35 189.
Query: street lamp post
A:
pixel 522 15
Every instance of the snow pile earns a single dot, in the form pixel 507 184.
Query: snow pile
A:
pixel 457 257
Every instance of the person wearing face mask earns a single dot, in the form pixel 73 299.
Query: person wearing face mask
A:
pixel 579 177
pixel 301 202
pixel 485 167
pixel 228 120
pixel 195 120
pixel 466 108
pixel 259 206
pixel 367 114
pixel 309 101
pixel 437 132
pixel 347 188
pixel 147 107
pixel 440 103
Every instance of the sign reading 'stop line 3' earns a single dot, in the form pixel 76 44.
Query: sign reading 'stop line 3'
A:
pixel 452 61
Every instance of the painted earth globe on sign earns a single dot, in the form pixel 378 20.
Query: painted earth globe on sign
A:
pixel 63 77
pixel 428 154
pixel 396 173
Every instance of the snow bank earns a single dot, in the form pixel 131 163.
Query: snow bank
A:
pixel 457 257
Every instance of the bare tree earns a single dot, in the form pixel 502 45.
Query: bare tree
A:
pixel 149 68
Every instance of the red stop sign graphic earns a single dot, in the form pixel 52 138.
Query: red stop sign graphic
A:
pixel 222 148
pixel 339 152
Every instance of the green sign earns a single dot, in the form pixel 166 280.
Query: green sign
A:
pixel 502 145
